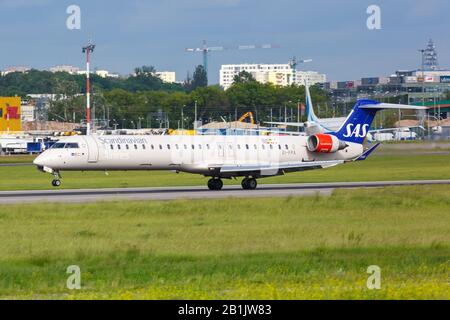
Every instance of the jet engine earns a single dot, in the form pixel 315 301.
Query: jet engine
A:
pixel 325 143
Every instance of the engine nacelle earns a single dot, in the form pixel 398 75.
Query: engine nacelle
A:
pixel 325 143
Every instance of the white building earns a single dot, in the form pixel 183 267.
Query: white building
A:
pixel 311 77
pixel 27 112
pixel 277 74
pixel 100 73
pixel 65 68
pixel 166 76
pixel 15 69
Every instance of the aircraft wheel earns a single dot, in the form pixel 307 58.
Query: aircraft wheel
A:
pixel 56 183
pixel 215 184
pixel 252 184
pixel 244 184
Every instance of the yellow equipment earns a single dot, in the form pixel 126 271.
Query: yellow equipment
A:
pixel 247 115
pixel 10 117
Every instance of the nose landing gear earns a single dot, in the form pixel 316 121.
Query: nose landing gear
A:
pixel 249 184
pixel 56 182
pixel 215 184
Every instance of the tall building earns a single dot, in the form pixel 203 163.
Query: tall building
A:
pixel 166 76
pixel 277 74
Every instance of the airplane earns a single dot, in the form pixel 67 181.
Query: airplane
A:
pixel 313 124
pixel 217 156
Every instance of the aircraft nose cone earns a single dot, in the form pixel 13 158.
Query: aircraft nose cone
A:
pixel 38 161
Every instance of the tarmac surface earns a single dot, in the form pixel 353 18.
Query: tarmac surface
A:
pixel 194 192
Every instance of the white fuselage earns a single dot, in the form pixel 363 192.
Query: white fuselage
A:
pixel 195 154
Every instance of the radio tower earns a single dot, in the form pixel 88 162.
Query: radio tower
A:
pixel 88 50
pixel 430 59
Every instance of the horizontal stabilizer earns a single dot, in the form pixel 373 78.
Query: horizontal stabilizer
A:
pixel 391 106
pixel 366 153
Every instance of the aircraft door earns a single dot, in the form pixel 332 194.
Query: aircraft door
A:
pixel 92 147
pixel 221 149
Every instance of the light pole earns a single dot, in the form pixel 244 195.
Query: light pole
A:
pixel 88 50
pixel 422 51
pixel 195 115
pixel 182 117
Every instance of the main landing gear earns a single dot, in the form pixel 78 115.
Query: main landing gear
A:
pixel 249 184
pixel 215 184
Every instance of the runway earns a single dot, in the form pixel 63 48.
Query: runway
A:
pixel 195 192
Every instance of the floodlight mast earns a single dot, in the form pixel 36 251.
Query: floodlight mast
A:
pixel 88 50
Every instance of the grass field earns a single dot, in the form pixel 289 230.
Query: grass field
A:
pixel 398 167
pixel 280 248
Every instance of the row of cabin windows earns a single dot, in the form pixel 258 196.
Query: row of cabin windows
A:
pixel 127 147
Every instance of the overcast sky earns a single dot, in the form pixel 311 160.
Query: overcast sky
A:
pixel 156 32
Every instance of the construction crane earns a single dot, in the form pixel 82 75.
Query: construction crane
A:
pixel 247 115
pixel 205 50
pixel 293 63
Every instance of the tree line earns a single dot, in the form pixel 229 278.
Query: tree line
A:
pixel 142 98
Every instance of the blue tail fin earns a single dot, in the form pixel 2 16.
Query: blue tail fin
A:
pixel 358 122
pixel 311 116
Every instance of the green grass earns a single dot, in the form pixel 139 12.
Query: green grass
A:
pixel 398 167
pixel 275 248
pixel 21 158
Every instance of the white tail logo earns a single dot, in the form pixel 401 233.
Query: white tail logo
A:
pixel 358 131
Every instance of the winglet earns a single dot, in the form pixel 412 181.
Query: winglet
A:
pixel 366 153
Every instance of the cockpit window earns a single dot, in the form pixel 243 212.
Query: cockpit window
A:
pixel 58 145
pixel 71 145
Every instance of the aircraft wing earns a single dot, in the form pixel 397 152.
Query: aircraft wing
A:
pixel 272 169
pixel 293 124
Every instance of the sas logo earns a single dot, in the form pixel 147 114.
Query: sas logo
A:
pixel 356 131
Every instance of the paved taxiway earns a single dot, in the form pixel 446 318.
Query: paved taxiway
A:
pixel 194 192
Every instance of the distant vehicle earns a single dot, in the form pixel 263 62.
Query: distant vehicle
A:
pixel 390 134
pixel 14 144
pixel 218 156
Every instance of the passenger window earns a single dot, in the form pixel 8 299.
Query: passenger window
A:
pixel 207 146
pixel 263 147
pixel 135 146
pixel 168 146
pixel 118 146
pixel 127 147
pixel 246 146
pixel 255 146
pixel 239 146
pixel 279 146
pixel 286 146
pixel 176 146
pixel 192 146
pixel 143 146
pixel 160 147
pixel 271 146
pixel 152 146
pixel 185 147
pixel 200 146
pixel 112 147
